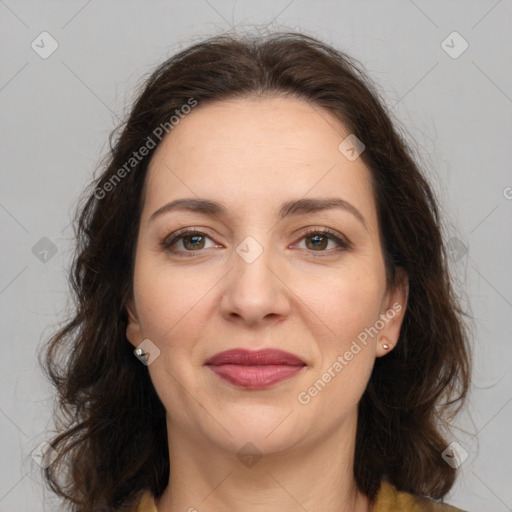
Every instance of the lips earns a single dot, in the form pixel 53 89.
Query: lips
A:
pixel 255 369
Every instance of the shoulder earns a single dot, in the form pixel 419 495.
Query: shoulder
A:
pixel 145 503
pixel 389 499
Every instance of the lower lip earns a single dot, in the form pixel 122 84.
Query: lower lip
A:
pixel 255 377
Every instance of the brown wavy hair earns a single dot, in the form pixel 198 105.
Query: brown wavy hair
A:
pixel 111 435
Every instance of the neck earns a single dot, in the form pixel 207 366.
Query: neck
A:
pixel 319 476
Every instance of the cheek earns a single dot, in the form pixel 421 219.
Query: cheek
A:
pixel 171 308
pixel 353 307
pixel 348 306
pixel 347 300
pixel 167 298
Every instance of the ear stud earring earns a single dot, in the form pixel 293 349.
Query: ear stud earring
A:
pixel 386 346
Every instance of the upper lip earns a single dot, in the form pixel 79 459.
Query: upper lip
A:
pixel 255 357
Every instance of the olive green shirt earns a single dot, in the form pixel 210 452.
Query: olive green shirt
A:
pixel 388 499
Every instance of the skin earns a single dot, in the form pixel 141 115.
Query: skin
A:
pixel 252 155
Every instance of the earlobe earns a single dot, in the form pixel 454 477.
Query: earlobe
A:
pixel 385 345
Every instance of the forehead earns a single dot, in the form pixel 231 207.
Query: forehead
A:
pixel 284 124
pixel 244 149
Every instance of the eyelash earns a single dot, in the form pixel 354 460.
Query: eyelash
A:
pixel 169 241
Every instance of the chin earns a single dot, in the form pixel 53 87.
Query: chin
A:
pixel 269 429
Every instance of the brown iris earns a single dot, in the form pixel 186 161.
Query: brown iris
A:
pixel 317 242
pixel 193 242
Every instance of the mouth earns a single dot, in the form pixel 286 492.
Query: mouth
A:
pixel 258 369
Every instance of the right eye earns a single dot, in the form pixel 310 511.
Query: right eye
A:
pixel 190 241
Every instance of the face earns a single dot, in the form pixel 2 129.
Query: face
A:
pixel 285 255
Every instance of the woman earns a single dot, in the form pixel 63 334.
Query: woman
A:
pixel 264 317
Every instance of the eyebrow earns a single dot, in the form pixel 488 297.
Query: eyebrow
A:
pixel 289 208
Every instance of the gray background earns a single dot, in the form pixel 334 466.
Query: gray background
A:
pixel 56 114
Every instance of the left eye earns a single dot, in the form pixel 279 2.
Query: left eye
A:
pixel 319 241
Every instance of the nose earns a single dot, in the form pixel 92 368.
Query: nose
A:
pixel 255 291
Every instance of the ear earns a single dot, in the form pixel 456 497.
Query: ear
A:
pixel 133 328
pixel 394 306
